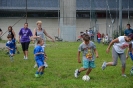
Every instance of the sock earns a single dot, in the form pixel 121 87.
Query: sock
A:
pixel 78 71
pixel 37 72
pixel 41 73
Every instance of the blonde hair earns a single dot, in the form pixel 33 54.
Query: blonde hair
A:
pixel 39 22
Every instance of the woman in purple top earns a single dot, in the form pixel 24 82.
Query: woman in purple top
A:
pixel 24 37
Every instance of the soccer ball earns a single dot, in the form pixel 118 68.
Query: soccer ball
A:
pixel 86 78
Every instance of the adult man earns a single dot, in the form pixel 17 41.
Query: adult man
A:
pixel 128 30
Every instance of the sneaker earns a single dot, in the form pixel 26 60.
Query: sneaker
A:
pixel 103 65
pixel 76 74
pixel 36 75
pixel 124 75
pixel 11 58
pixel 45 64
pixel 24 57
pixel 35 65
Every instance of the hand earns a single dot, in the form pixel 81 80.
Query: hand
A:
pixel 107 50
pixel 126 56
pixel 97 56
pixel 79 61
pixel 53 40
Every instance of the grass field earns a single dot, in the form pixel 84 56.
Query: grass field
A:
pixel 62 61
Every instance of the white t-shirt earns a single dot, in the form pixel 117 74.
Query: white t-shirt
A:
pixel 106 37
pixel 122 45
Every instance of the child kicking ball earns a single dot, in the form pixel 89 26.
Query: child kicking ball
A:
pixel 88 49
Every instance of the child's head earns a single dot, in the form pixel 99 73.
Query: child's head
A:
pixel 40 41
pixel 9 37
pixel 9 28
pixel 86 38
pixel 129 38
pixel 128 26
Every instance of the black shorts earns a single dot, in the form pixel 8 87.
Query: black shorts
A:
pixel 25 46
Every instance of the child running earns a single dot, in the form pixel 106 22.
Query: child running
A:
pixel 11 46
pixel 88 49
pixel 39 57
pixel 118 49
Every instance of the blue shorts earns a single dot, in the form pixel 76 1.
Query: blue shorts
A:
pixel 88 64
pixel 11 52
pixel 40 63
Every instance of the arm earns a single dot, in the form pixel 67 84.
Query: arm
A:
pixel 96 53
pixel 39 53
pixel 34 34
pixel 14 34
pixel 112 42
pixel 79 61
pixel 48 35
pixel 19 39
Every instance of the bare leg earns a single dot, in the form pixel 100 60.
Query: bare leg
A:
pixel 26 53
pixel 88 71
pixel 109 64
pixel 82 69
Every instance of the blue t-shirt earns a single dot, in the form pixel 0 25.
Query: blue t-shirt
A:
pixel 39 49
pixel 11 44
pixel 128 31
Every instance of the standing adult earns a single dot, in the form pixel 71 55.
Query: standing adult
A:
pixel 24 37
pixel 98 37
pixel 128 30
pixel 39 32
pixel 12 33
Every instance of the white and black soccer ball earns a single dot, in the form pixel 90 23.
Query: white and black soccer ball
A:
pixel 85 78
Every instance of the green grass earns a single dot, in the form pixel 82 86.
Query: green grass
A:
pixel 62 61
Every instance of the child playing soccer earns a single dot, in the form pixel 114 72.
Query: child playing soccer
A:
pixel 88 49
pixel 118 49
pixel 11 46
pixel 39 57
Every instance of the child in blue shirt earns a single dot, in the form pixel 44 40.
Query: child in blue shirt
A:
pixel 11 46
pixel 39 57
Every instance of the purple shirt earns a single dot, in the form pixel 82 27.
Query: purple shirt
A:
pixel 25 34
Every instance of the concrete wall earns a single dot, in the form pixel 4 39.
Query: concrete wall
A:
pixel 68 20
pixel 51 25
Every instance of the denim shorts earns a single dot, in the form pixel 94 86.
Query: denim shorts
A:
pixel 88 64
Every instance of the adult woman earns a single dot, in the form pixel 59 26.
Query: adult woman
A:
pixel 39 32
pixel 12 33
pixel 24 37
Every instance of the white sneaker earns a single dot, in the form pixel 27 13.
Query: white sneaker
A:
pixel 24 57
pixel 76 74
pixel 103 65
pixel 45 64
pixel 35 65
pixel 124 75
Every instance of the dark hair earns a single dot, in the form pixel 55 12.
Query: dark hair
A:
pixel 86 37
pixel 9 36
pixel 10 27
pixel 0 29
pixel 25 23
pixel 128 24
pixel 131 36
